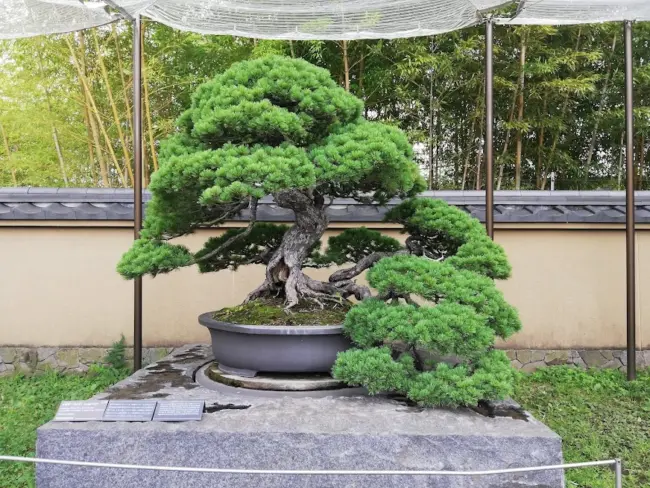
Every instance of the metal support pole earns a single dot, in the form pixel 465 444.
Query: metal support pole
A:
pixel 618 470
pixel 629 205
pixel 137 186
pixel 489 124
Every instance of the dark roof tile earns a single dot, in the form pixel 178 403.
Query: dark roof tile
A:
pixel 510 206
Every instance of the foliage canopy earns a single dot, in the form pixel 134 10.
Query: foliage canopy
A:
pixel 283 127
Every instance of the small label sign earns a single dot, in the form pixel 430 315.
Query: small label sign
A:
pixel 129 411
pixel 81 411
pixel 179 411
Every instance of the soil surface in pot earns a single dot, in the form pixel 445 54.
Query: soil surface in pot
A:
pixel 272 312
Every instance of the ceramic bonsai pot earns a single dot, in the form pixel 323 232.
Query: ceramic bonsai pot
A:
pixel 245 350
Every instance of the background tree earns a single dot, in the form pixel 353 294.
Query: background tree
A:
pixel 571 105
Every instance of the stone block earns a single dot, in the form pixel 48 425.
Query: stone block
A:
pixel 46 352
pixel 621 356
pixel 579 363
pixel 524 356
pixel 516 364
pixel 8 355
pixel 92 355
pixel 243 429
pixel 593 359
pixel 613 364
pixel 511 353
pixel 534 366
pixel 67 357
pixel 29 357
pixel 557 357
pixel 640 359
pixel 607 354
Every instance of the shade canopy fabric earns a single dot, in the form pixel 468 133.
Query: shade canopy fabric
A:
pixel 305 19
pixel 314 19
pixel 26 18
pixel 563 12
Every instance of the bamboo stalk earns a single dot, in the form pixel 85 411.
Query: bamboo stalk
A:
pixel 96 113
pixel 540 149
pixel 511 117
pixel 603 99
pixel 87 119
pixel 556 136
pixel 111 101
pixel 55 133
pixel 620 161
pixel 520 113
pixel 147 109
pixel 103 168
pixel 346 65
pixel 8 151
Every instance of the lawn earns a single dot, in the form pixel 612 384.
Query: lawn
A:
pixel 27 402
pixel 598 414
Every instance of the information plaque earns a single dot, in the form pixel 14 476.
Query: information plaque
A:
pixel 129 411
pixel 179 410
pixel 81 411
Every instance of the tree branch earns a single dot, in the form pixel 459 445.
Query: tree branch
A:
pixel 229 213
pixel 232 240
pixel 365 263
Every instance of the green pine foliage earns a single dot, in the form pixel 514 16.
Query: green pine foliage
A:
pixel 261 127
pixel 352 245
pixel 430 336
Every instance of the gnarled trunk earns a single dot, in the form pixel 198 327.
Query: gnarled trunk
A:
pixel 284 274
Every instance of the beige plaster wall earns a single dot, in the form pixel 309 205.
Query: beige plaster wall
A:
pixel 58 286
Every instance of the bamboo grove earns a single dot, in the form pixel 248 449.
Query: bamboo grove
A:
pixel 65 101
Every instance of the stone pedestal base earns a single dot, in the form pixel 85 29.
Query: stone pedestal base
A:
pixel 241 430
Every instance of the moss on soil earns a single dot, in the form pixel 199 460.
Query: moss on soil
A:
pixel 271 312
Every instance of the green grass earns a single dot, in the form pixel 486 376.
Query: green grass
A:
pixel 28 402
pixel 599 416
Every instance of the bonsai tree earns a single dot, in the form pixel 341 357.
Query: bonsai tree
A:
pixel 430 332
pixel 282 127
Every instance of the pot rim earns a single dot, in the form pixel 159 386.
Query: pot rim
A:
pixel 206 320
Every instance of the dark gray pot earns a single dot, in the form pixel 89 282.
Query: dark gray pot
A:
pixel 246 350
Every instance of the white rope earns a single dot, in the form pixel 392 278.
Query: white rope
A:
pixel 303 472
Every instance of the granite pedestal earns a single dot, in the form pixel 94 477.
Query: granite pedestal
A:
pixel 242 430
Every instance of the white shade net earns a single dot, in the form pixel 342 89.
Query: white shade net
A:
pixel 314 19
pixel 25 18
pixel 557 12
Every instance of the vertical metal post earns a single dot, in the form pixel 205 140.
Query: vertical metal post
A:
pixel 137 187
pixel 629 205
pixel 489 125
pixel 618 470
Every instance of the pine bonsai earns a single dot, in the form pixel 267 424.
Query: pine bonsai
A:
pixel 276 126
pixel 283 127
